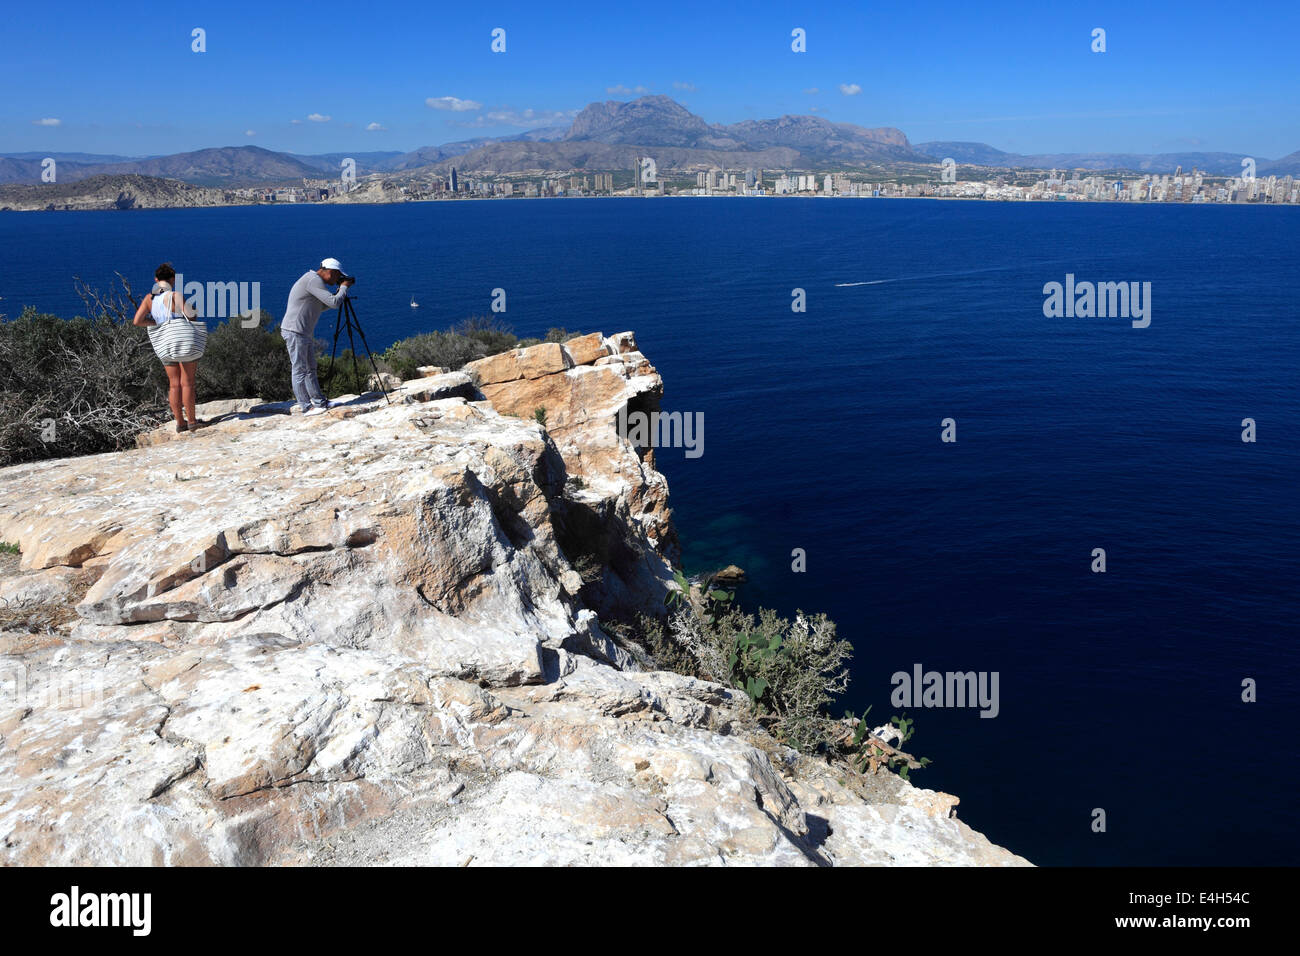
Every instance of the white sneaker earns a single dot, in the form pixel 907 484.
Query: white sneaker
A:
pixel 317 410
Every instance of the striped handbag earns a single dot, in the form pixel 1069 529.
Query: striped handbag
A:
pixel 179 339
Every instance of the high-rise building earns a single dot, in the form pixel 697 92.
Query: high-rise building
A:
pixel 455 182
pixel 645 173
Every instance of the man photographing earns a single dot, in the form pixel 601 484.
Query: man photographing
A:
pixel 308 298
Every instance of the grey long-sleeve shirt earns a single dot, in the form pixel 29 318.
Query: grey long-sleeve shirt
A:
pixel 308 298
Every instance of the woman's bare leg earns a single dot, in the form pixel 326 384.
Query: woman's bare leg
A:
pixel 188 371
pixel 174 391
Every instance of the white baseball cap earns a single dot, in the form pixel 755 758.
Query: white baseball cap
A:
pixel 331 264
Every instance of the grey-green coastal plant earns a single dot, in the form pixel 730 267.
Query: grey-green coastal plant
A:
pixel 749 654
pixel 703 600
pixel 791 669
pixel 867 751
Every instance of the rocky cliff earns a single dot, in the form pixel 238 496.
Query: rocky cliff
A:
pixel 105 191
pixel 373 636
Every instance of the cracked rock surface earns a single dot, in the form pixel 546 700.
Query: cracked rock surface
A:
pixel 361 638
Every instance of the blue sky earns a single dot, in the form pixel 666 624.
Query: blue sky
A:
pixel 123 79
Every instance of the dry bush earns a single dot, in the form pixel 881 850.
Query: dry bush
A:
pixel 77 386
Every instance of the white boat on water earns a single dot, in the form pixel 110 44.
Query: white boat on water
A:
pixel 414 304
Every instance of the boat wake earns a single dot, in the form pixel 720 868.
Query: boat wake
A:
pixel 935 275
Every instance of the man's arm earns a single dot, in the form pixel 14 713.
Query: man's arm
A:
pixel 318 288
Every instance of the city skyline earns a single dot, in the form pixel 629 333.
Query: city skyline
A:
pixel 1023 78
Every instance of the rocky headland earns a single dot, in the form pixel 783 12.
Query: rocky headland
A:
pixel 111 191
pixel 374 636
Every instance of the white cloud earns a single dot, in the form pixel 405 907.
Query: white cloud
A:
pixel 526 119
pixel 48 121
pixel 622 90
pixel 295 122
pixel 679 85
pixel 250 132
pixel 376 128
pixel 318 118
pixel 812 91
pixel 452 103
pixel 850 89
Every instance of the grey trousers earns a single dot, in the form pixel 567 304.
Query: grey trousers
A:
pixel 302 358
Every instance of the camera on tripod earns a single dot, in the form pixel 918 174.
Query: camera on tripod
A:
pixel 347 319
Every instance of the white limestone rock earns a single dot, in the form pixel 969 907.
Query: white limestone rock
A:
pixel 356 638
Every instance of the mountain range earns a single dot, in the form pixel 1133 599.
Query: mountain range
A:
pixel 610 135
pixel 1218 164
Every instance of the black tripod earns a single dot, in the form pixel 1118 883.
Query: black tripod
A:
pixel 347 317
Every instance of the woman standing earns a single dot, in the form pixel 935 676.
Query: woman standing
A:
pixel 177 340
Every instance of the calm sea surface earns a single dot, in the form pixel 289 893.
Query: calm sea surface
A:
pixel 1119 691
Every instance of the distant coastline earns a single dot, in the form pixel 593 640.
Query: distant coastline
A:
pixel 651 144
pixel 7 206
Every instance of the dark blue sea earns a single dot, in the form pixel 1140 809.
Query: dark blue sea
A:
pixel 1120 691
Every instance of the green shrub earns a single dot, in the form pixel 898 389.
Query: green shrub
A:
pixel 494 335
pixel 793 670
pixel 469 340
pixel 346 379
pixel 245 362
pixel 446 349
